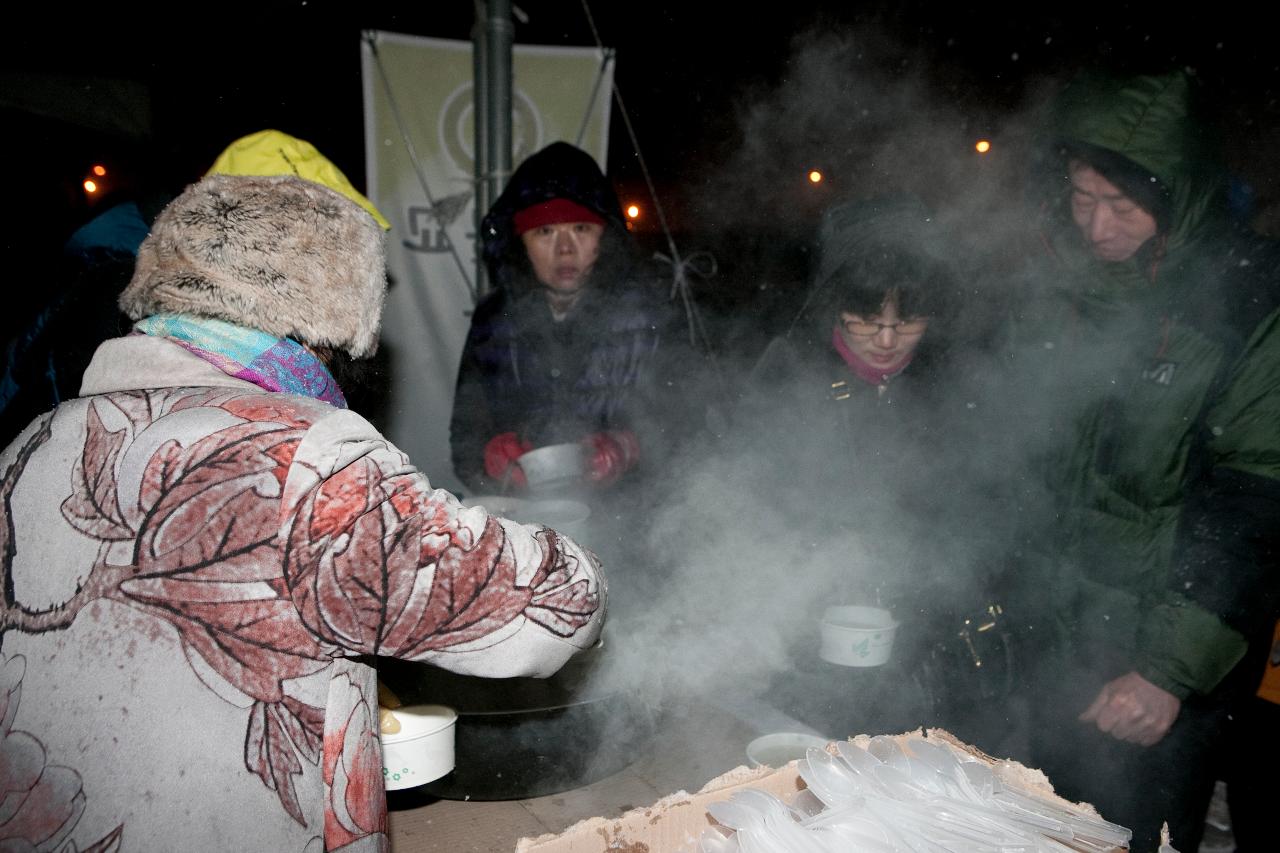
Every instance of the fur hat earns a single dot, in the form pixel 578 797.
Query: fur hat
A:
pixel 280 254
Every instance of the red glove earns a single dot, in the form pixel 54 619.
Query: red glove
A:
pixel 610 454
pixel 500 456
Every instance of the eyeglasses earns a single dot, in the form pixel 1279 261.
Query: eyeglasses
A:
pixel 905 328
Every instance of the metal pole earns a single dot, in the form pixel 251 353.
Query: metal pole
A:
pixel 494 102
pixel 501 35
pixel 480 143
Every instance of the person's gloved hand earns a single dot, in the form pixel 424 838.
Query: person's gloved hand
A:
pixel 610 454
pixel 500 455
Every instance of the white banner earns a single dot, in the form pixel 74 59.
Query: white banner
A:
pixel 419 143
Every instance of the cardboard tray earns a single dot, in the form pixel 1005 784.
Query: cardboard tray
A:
pixel 676 822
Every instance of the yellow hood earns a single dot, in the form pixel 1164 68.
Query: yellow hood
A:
pixel 270 152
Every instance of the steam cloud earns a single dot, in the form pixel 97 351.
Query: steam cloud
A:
pixel 743 576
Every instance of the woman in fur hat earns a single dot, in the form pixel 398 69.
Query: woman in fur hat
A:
pixel 201 552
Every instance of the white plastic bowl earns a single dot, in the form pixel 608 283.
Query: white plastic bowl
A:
pixel 779 748
pixel 422 751
pixel 565 516
pixel 554 466
pixel 857 636
pixel 560 514
pixel 503 506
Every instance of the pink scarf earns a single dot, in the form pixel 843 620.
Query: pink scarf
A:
pixel 868 373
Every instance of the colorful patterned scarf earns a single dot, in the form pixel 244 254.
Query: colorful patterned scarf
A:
pixel 276 364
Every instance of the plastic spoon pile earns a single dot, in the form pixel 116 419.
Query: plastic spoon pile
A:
pixel 882 799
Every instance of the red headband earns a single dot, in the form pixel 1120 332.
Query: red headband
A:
pixel 554 212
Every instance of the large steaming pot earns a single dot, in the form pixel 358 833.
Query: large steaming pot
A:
pixel 528 737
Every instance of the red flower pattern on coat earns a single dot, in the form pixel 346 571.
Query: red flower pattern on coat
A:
pixel 352 768
pixel 372 561
pixel 380 568
pixel 206 561
pixel 279 733
pixel 206 550
pixel 40 803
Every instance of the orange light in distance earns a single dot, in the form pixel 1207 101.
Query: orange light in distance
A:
pixel 633 211
pixel 90 187
pixel 99 170
pixel 815 177
pixel 983 146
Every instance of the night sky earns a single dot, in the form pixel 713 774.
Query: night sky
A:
pixel 687 73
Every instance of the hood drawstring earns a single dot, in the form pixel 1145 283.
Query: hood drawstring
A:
pixel 1166 330
pixel 1153 271
pixel 1157 256
pixel 515 363
pixel 1042 231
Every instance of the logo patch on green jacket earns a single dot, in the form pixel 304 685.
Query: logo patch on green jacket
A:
pixel 1161 372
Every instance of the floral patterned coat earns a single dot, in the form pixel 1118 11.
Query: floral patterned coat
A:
pixel 192 568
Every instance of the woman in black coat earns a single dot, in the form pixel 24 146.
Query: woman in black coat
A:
pixel 873 422
pixel 570 347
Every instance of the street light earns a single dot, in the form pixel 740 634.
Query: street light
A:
pixel 815 177
pixel 982 146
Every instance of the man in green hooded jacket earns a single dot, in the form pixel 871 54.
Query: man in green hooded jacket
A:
pixel 1153 342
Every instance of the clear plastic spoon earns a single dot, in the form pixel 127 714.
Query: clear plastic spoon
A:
pixel 733 814
pixel 886 749
pixel 829 780
pixel 714 840
pixel 857 757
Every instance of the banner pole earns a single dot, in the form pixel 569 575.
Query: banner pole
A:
pixel 480 141
pixel 499 35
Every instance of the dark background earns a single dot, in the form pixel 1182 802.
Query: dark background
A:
pixel 156 92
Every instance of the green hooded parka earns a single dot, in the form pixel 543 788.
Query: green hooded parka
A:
pixel 1165 373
